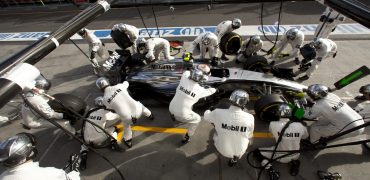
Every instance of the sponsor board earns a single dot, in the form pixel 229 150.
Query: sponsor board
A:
pixel 270 30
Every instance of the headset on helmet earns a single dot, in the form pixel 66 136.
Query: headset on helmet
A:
pixel 365 90
pixel 99 101
pixel 102 83
pixel 206 40
pixel 317 91
pixel 255 39
pixel 317 43
pixel 236 23
pixel 42 83
pixel 17 149
pixel 82 32
pixel 239 98
pixel 284 111
pixel 291 34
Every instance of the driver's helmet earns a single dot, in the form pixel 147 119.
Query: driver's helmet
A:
pixel 187 57
pixel 99 101
pixel 255 39
pixel 196 75
pixel 206 39
pixel 18 149
pixel 317 91
pixel 236 23
pixel 284 111
pixel 82 32
pixel 365 90
pixel 291 34
pixel 239 98
pixel 317 43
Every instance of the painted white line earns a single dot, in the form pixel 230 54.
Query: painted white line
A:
pixel 130 160
pixel 51 144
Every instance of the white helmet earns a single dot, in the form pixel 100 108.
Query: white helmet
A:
pixel 102 83
pixel 42 83
pixel 239 98
pixel 284 111
pixel 255 39
pixel 317 91
pixel 99 101
pixel 317 43
pixel 206 39
pixel 197 75
pixel 17 149
pixel 236 23
pixel 141 41
pixel 291 34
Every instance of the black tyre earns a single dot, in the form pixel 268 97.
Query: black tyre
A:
pixel 75 103
pixel 265 107
pixel 255 63
pixel 230 43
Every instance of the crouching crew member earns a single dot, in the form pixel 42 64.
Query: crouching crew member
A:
pixel 234 127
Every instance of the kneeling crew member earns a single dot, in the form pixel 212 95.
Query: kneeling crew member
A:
pixel 94 136
pixel 118 99
pixel 290 141
pixel 333 114
pixel 187 94
pixel 234 127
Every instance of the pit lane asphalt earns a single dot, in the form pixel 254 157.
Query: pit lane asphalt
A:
pixel 160 155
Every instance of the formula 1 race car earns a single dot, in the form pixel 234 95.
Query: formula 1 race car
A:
pixel 160 80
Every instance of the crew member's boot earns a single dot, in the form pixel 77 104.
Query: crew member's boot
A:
pixel 186 139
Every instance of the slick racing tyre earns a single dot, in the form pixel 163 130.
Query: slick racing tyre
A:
pixel 121 39
pixel 230 43
pixel 266 107
pixel 307 52
pixel 75 103
pixel 256 63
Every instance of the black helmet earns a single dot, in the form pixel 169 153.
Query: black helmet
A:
pixel 17 149
pixel 365 90
pixel 82 32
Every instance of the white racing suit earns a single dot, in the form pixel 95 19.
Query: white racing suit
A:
pixel 289 142
pixel 334 116
pixel 197 47
pixel 364 110
pixel 100 117
pixel 131 31
pixel 329 48
pixel 33 120
pixel 95 47
pixel 248 49
pixel 223 28
pixel 154 46
pixel 32 171
pixel 283 42
pixel 117 98
pixel 332 19
pixel 187 94
pixel 234 129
